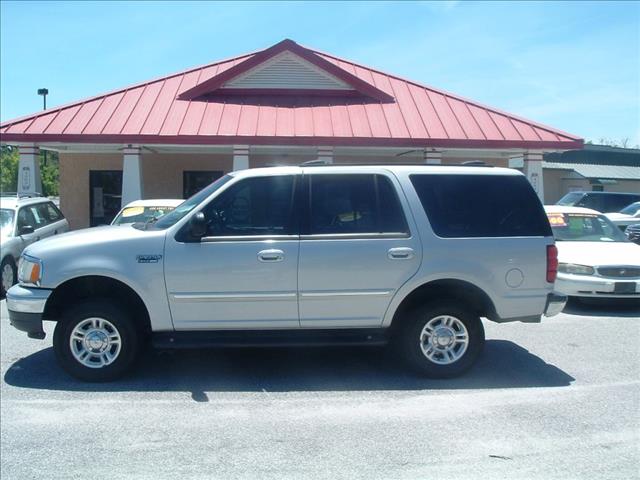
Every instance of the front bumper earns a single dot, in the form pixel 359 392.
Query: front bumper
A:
pixel 597 287
pixel 555 304
pixel 26 306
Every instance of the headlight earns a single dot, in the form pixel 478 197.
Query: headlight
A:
pixel 30 270
pixel 576 269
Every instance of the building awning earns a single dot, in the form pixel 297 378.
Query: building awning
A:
pixel 285 95
pixel 599 172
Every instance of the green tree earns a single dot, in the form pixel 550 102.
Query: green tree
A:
pixel 8 169
pixel 49 171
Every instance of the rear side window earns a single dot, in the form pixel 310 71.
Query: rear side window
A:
pixel 481 205
pixel 354 203
pixel 53 213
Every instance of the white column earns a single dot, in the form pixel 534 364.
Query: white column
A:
pixel 240 157
pixel 29 179
pixel 533 170
pixel 325 154
pixel 432 156
pixel 131 175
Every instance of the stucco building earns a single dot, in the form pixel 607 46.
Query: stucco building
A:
pixel 287 104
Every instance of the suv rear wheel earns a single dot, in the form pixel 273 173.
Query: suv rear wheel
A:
pixel 441 340
pixel 96 341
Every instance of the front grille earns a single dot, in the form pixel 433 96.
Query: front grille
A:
pixel 619 272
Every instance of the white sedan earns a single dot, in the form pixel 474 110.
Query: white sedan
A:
pixel 145 210
pixel 629 215
pixel 595 258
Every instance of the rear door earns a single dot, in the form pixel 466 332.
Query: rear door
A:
pixel 356 249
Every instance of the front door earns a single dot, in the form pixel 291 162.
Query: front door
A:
pixel 356 249
pixel 243 273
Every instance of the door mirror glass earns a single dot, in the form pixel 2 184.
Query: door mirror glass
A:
pixel 198 225
pixel 26 230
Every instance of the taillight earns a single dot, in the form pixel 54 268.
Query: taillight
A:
pixel 552 263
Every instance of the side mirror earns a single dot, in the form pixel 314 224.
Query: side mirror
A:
pixel 25 230
pixel 198 225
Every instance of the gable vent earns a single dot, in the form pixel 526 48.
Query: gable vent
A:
pixel 287 71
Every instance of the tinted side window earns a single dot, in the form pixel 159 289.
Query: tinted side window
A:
pixel 25 217
pixel 255 206
pixel 481 205
pixel 354 203
pixel 39 214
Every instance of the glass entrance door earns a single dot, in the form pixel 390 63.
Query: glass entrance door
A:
pixel 105 196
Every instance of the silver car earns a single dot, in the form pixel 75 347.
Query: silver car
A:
pixel 24 220
pixel 412 256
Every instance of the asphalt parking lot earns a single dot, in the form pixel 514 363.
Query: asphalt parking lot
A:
pixel 559 399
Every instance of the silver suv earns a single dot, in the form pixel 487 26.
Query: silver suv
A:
pixel 24 220
pixel 408 255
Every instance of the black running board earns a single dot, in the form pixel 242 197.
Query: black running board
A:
pixel 269 338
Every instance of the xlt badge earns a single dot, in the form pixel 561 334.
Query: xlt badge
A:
pixel 148 258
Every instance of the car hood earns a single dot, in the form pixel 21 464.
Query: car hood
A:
pixel 599 253
pixel 93 238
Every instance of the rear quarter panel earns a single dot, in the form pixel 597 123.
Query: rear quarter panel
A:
pixel 510 270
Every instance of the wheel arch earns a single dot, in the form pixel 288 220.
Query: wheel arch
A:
pixel 97 286
pixel 461 290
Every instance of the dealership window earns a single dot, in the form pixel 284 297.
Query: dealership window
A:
pixel 194 181
pixel 105 196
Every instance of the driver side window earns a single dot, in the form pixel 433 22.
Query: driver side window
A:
pixel 254 206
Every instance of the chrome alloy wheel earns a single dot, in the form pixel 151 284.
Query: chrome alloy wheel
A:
pixel 95 342
pixel 7 276
pixel 444 339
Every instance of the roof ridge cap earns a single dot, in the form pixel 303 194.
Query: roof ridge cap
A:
pixel 452 95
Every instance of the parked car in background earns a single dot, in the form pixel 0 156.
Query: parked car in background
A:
pixel 633 233
pixel 625 217
pixel 600 201
pixel 414 256
pixel 595 258
pixel 24 220
pixel 145 210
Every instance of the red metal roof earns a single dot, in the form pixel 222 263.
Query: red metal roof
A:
pixel 192 108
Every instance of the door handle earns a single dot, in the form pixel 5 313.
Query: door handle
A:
pixel 272 255
pixel 401 253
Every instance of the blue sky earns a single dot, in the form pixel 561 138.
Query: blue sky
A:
pixel 574 66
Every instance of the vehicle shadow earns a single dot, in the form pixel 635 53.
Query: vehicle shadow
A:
pixel 503 364
pixel 603 308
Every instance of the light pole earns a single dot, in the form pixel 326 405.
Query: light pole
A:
pixel 44 92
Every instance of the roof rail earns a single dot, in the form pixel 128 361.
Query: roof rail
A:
pixel 326 163
pixel 316 162
pixel 21 195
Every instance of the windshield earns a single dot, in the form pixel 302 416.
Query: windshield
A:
pixel 632 209
pixel 181 210
pixel 141 214
pixel 584 227
pixel 6 220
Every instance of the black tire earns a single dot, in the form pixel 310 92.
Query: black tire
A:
pixel 408 343
pixel 8 261
pixel 118 318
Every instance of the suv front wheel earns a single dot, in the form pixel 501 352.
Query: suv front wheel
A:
pixel 441 340
pixel 96 341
